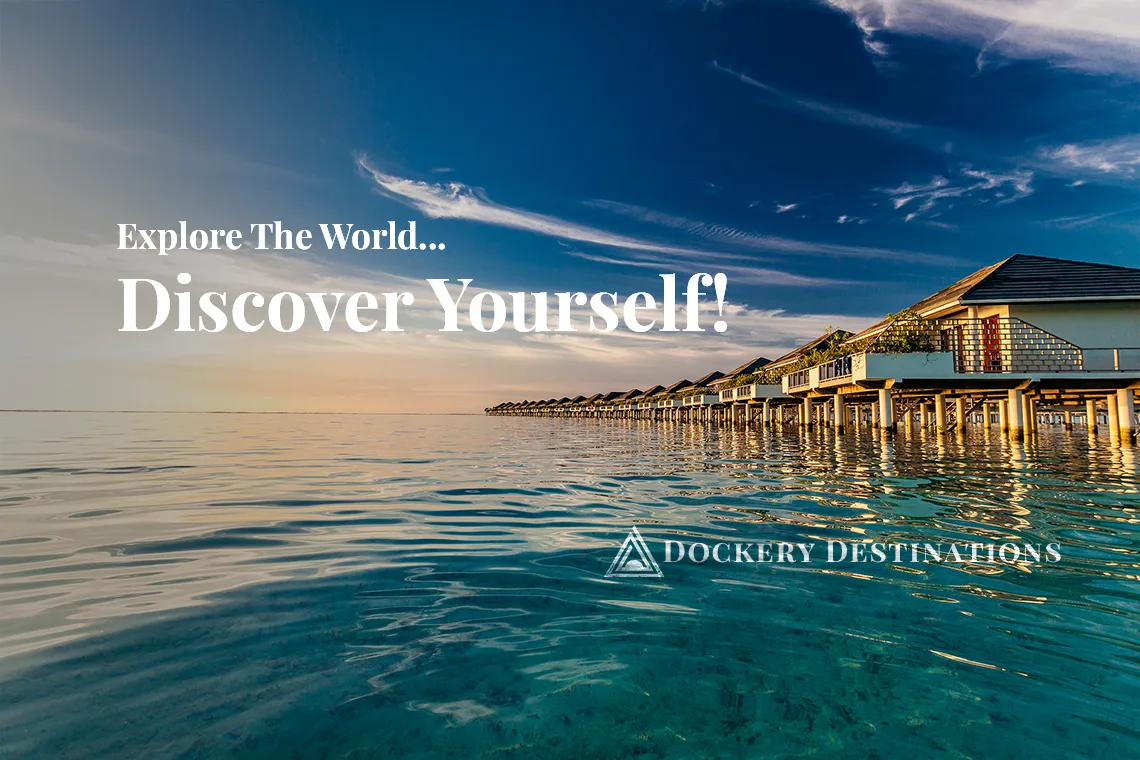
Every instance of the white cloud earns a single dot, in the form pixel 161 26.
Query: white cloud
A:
pixel 724 234
pixel 818 109
pixel 981 186
pixel 1074 222
pixel 741 273
pixel 1118 157
pixel 458 201
pixel 782 208
pixel 1098 35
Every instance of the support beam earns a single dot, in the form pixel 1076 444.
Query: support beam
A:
pixel 1090 414
pixel 1016 414
pixel 960 413
pixel 840 412
pixel 940 413
pixel 886 411
pixel 1113 415
pixel 1126 413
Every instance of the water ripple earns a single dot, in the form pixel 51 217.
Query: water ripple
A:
pixel 277 586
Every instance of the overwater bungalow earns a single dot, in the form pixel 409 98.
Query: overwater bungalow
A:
pixel 1027 334
pixel 645 402
pixel 736 376
pixel 668 399
pixel 1027 339
pixel 696 399
pixel 832 337
pixel 753 391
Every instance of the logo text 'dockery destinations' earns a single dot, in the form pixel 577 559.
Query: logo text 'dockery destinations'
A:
pixel 635 558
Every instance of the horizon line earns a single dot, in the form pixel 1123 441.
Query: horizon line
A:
pixel 223 411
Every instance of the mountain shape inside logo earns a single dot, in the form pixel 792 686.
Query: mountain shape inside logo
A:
pixel 633 559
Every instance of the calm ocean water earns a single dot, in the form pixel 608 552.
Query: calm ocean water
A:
pixel 272 586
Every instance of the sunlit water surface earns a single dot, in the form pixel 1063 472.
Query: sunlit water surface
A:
pixel 286 586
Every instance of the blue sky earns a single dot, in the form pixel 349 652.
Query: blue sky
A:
pixel 836 159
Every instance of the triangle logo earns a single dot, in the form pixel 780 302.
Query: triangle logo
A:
pixel 633 559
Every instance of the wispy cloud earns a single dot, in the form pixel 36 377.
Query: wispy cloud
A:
pixel 743 274
pixel 1098 35
pixel 982 186
pixel 782 208
pixel 458 201
pixel 455 200
pixel 816 108
pixel 727 235
pixel 1082 220
pixel 1118 158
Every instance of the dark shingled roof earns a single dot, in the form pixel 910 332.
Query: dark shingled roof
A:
pixel 745 369
pixel 1032 279
pixel 1022 278
pixel 704 381
pixel 680 385
pixel 792 356
pixel 611 396
pixel 629 394
pixel 651 392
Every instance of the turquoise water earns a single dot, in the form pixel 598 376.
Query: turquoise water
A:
pixel 272 586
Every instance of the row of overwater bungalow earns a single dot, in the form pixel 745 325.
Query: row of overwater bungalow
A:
pixel 1028 341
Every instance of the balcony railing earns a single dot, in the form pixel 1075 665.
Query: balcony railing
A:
pixel 996 345
pixel 836 369
pixel 799 379
pixel 1110 359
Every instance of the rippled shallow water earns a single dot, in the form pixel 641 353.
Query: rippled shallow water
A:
pixel 292 586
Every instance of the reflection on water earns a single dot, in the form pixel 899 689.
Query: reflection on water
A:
pixel 265 586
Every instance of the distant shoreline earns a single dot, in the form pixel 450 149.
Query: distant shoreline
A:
pixel 189 411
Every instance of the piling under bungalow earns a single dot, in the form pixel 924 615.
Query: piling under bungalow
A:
pixel 1028 342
